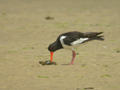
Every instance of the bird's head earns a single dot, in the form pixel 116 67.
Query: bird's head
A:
pixel 53 47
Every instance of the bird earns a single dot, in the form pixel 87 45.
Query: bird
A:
pixel 70 40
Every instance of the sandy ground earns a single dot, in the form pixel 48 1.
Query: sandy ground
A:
pixel 25 35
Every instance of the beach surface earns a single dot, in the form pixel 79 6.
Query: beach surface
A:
pixel 26 32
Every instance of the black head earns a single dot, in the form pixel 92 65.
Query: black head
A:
pixel 55 46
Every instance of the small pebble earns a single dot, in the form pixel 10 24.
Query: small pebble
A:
pixel 49 18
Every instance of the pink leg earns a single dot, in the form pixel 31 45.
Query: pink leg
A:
pixel 73 56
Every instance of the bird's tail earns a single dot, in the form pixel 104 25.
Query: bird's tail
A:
pixel 94 35
pixel 99 38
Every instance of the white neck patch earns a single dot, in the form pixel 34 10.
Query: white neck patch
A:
pixel 61 40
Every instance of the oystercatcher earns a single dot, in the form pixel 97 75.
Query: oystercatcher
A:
pixel 70 40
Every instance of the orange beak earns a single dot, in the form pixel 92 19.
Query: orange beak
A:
pixel 51 57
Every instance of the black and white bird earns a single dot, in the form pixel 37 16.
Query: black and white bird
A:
pixel 70 40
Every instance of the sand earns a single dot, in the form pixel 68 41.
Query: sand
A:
pixel 25 35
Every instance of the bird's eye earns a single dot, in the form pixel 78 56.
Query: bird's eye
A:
pixel 51 48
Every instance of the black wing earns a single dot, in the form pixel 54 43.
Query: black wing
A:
pixel 71 37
